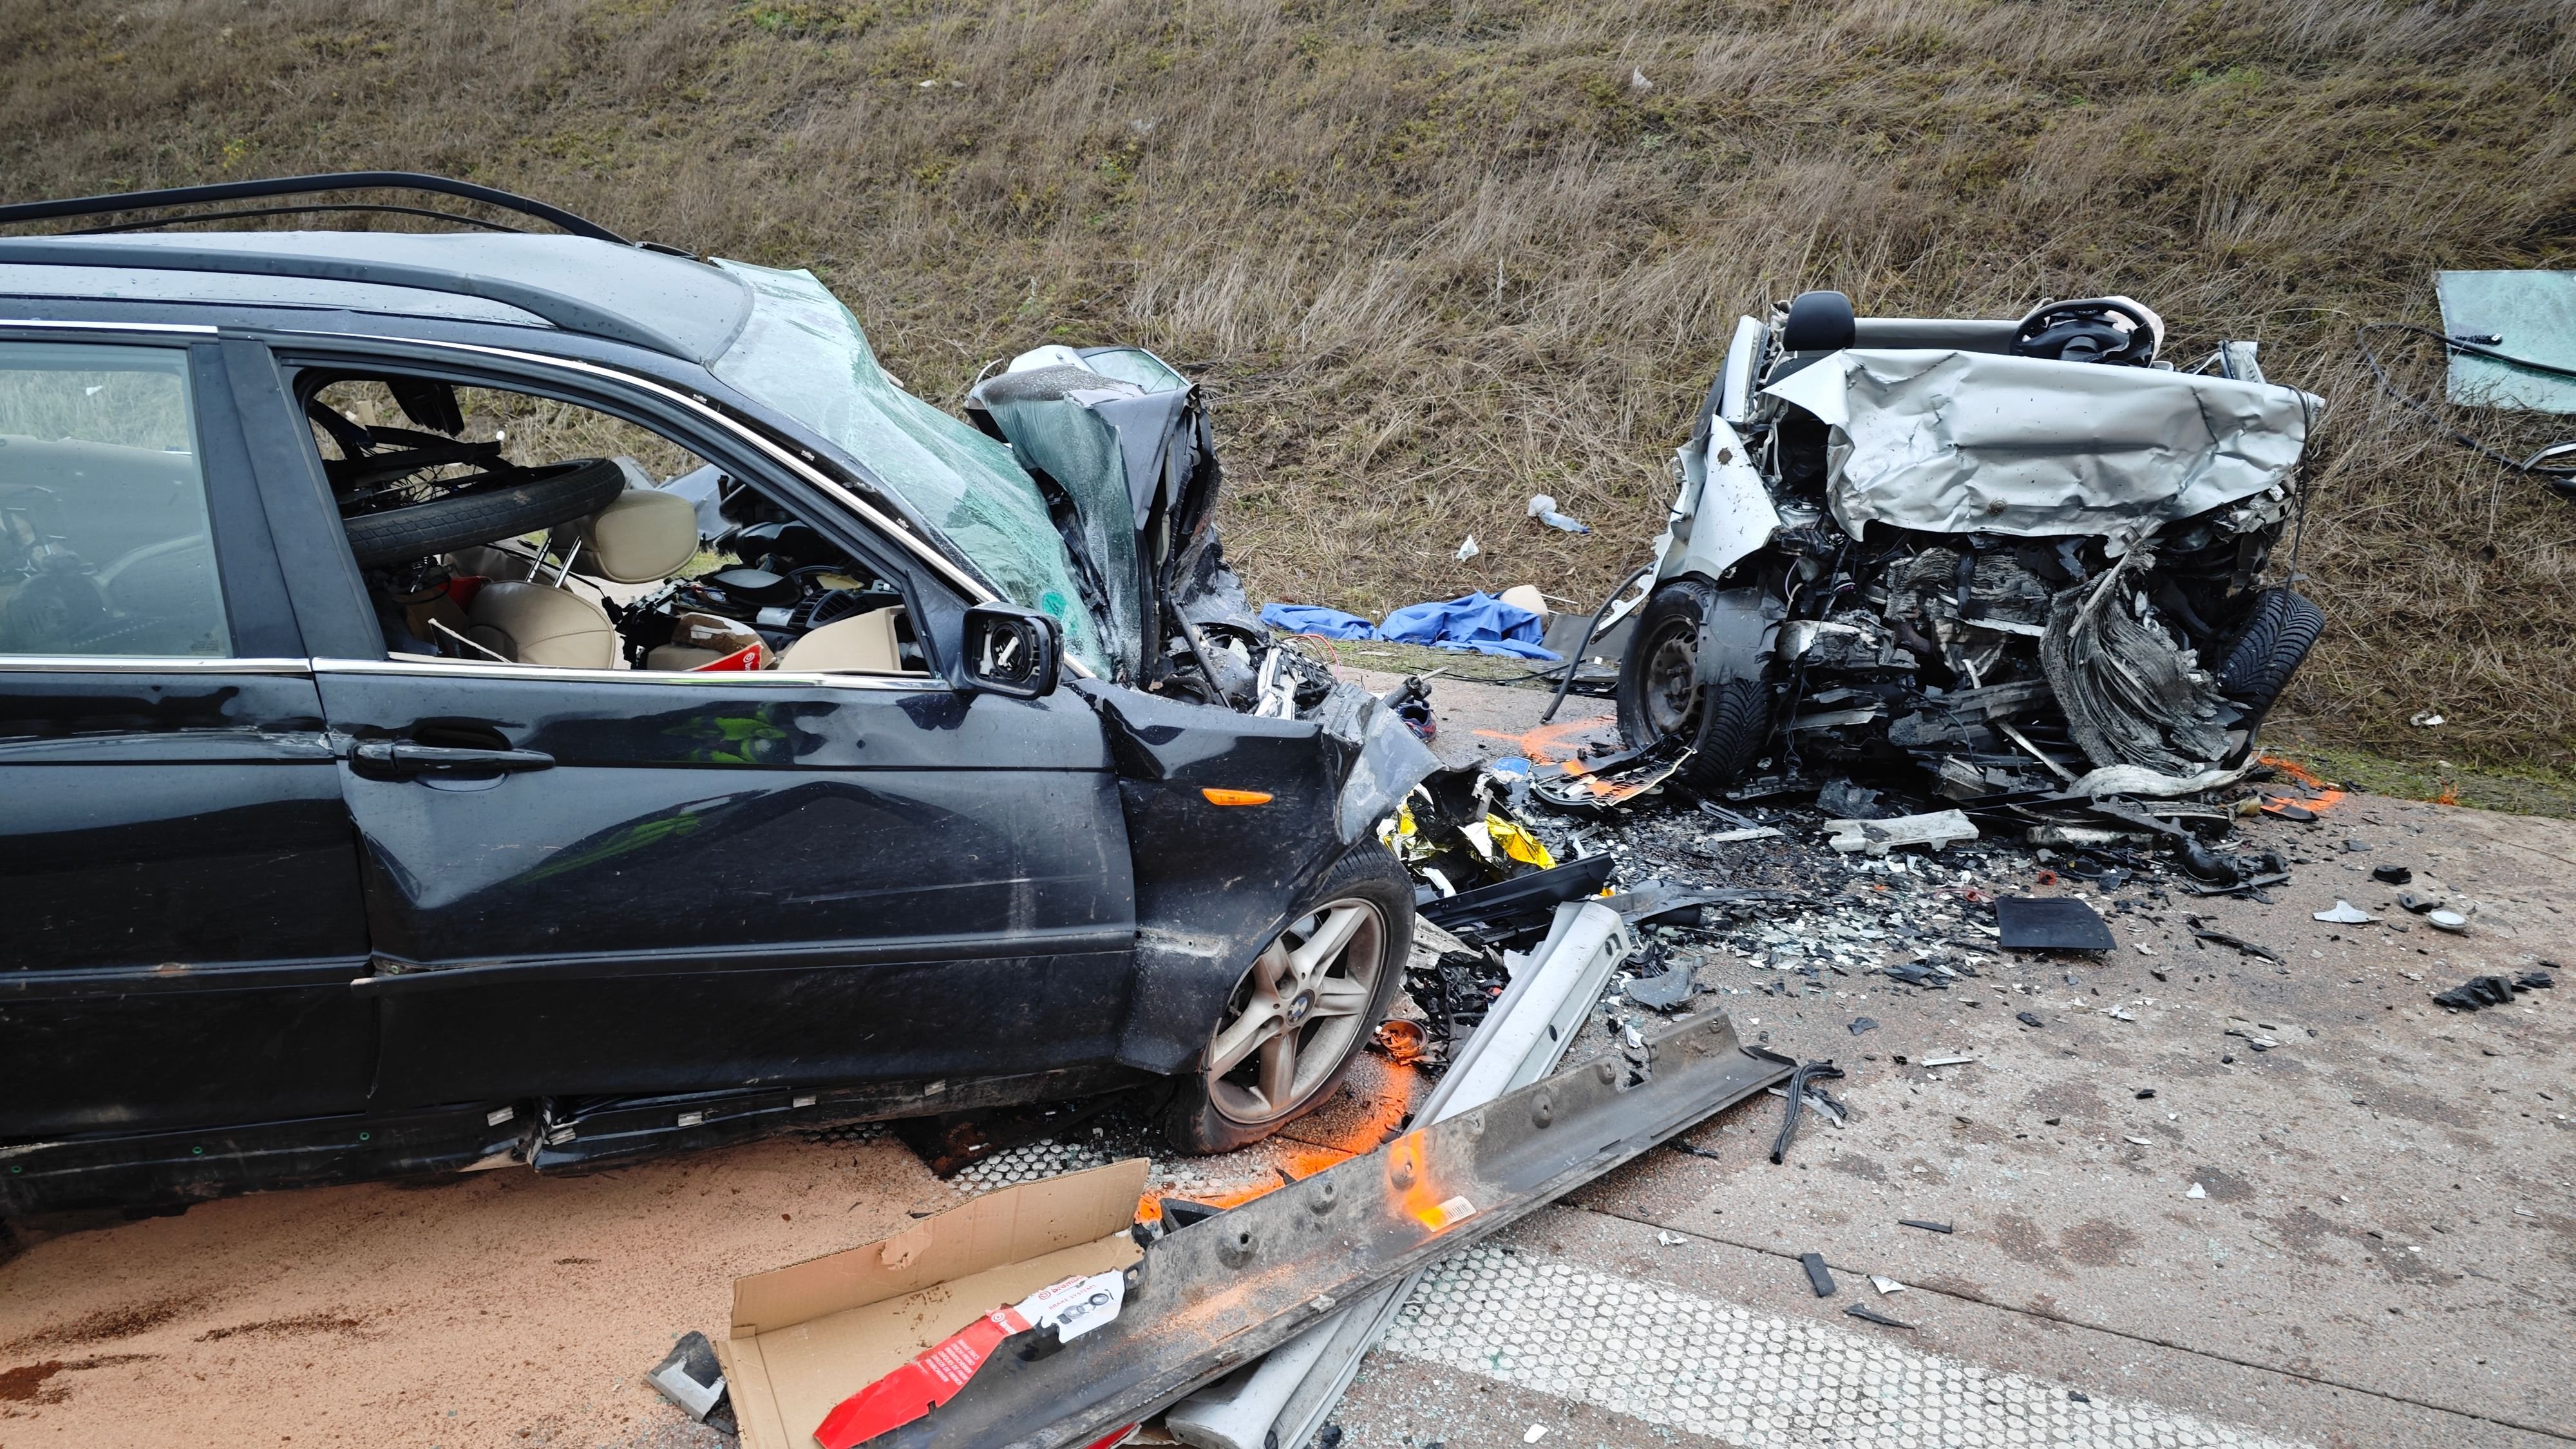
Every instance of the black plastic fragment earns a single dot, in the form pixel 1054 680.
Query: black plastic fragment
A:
pixel 1818 1277
pixel 2028 1018
pixel 2050 923
pixel 2392 875
pixel 1662 992
pixel 690 1378
pixel 1521 901
pixel 2239 942
pixel 1869 1316
pixel 1861 1024
pixel 1796 1089
pixel 2480 991
pixel 1920 1223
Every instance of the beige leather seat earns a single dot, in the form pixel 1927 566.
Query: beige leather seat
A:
pixel 642 536
pixel 546 625
pixel 861 642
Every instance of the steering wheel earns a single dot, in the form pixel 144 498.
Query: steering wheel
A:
pixel 2084 328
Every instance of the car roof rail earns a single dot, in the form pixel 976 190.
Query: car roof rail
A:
pixel 291 186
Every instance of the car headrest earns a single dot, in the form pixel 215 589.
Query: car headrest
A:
pixel 644 534
pixel 1817 322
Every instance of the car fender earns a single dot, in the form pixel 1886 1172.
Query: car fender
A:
pixel 1215 881
pixel 1722 514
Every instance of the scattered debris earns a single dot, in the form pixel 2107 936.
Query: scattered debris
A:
pixel 2425 719
pixel 1543 508
pixel 2050 923
pixel 1861 1024
pixel 1929 1227
pixel 1949 1061
pixel 1670 988
pixel 1818 1277
pixel 2345 913
pixel 1877 837
pixel 1670 1240
pixel 1797 1090
pixel 1885 1285
pixel 2224 938
pixel 2028 1018
pixel 2392 874
pixel 2254 1036
pixel 2451 921
pixel 1468 549
pixel 2137 1142
pixel 690 1377
pixel 2480 991
pixel 2196 1191
pixel 2418 905
pixel 1867 1315
pixel 1534 1433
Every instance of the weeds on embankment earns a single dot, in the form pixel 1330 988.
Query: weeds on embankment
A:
pixel 1432 258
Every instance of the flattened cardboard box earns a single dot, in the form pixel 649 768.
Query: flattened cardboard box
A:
pixel 808 1336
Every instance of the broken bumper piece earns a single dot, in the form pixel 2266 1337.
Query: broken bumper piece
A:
pixel 1212 1297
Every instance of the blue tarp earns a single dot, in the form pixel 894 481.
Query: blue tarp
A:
pixel 1478 622
pixel 1316 619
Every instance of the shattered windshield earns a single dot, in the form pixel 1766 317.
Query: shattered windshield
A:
pixel 803 353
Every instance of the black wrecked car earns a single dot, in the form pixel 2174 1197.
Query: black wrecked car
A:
pixel 485 697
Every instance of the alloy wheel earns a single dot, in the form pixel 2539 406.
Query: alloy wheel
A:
pixel 1298 1013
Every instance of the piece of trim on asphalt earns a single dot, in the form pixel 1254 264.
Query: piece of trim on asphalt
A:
pixel 1925 1226
pixel 1818 1276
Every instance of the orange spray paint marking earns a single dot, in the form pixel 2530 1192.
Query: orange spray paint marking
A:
pixel 2328 796
pixel 1552 743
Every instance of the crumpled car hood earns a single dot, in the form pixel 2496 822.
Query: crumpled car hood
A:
pixel 1962 442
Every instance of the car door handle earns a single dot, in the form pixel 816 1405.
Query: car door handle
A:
pixel 402 757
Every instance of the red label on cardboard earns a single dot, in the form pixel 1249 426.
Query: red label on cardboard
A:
pixel 1074 1305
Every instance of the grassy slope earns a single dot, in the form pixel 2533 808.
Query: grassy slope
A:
pixel 1433 258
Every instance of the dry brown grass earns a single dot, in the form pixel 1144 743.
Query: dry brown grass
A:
pixel 1433 258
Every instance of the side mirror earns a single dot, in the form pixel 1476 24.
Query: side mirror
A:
pixel 1011 651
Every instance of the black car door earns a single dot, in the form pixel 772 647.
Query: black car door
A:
pixel 643 881
pixel 177 871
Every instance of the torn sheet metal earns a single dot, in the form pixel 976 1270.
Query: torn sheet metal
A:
pixel 1112 427
pixel 2133 694
pixel 1209 1298
pixel 1287 1398
pixel 1878 837
pixel 2523 314
pixel 1962 442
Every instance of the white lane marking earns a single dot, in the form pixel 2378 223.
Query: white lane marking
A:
pixel 1751 1379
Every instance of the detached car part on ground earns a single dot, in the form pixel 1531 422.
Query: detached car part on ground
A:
pixel 2011 551
pixel 382 805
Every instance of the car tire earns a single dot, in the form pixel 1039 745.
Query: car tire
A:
pixel 2277 633
pixel 1725 723
pixel 537 498
pixel 1222 1106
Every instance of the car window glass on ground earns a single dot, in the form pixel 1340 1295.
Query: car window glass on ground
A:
pixel 104 543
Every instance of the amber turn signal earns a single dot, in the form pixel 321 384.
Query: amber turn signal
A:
pixel 1236 797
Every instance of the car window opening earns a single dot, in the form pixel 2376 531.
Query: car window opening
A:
pixel 499 527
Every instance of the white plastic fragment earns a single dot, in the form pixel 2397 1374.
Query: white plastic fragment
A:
pixel 2197 1191
pixel 2345 913
pixel 1955 1061
pixel 1536 1433
pixel 2137 1142
pixel 1671 1240
pixel 1885 1285
pixel 1468 549
pixel 2451 921
pixel 1878 837
pixel 2424 719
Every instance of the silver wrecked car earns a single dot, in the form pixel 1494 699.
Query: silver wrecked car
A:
pixel 2016 551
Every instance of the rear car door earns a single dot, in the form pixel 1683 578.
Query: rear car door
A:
pixel 636 881
pixel 177 868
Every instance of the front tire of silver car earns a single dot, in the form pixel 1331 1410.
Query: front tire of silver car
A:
pixel 1300 1015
